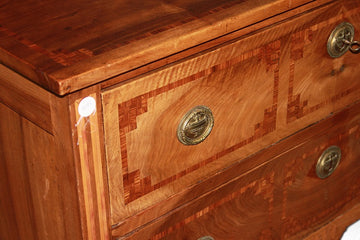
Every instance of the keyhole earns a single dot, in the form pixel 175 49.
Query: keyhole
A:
pixel 330 162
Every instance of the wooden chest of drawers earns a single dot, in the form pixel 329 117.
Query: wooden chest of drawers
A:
pixel 178 119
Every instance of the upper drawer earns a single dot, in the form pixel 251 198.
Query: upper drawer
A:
pixel 260 88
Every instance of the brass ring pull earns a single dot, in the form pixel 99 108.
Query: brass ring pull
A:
pixel 195 126
pixel 354 46
pixel 328 162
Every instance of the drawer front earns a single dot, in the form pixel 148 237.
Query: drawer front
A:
pixel 284 198
pixel 260 89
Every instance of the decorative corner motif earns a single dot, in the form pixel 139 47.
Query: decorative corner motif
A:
pixel 136 186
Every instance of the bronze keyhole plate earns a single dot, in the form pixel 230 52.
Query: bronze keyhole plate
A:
pixel 328 162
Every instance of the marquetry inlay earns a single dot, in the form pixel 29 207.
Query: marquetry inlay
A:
pixel 303 44
pixel 134 185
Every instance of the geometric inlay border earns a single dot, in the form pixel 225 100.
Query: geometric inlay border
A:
pixel 292 225
pixel 135 186
pixel 62 57
pixel 263 186
pixel 68 58
pixel 296 108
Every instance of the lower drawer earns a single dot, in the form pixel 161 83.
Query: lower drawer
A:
pixel 281 199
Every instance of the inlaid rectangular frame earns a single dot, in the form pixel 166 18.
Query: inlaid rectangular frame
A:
pixel 261 89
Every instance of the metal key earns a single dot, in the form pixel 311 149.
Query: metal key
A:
pixel 354 46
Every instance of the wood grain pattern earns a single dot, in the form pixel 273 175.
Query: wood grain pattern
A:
pixel 140 178
pixel 323 88
pixel 261 193
pixel 36 166
pixel 216 42
pixel 65 170
pixel 75 45
pixel 265 202
pixel 336 228
pixel 87 142
pixel 134 186
pixel 121 173
pixel 263 122
pixel 44 192
pixel 25 98
pixel 16 205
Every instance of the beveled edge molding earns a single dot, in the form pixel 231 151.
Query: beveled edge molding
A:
pixel 87 144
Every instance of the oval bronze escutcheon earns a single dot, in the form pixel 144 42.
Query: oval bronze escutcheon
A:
pixel 337 42
pixel 328 162
pixel 195 126
pixel 206 238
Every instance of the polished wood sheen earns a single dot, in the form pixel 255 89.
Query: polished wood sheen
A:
pixel 335 229
pixel 264 79
pixel 281 198
pixel 87 143
pixel 37 182
pixel 277 98
pixel 18 93
pixel 65 46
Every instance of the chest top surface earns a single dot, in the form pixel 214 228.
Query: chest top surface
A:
pixel 68 45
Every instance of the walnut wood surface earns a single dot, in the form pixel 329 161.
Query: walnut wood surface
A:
pixel 37 184
pixel 16 205
pixel 18 93
pixel 280 199
pixel 89 154
pixel 65 46
pixel 54 183
pixel 264 79
pixel 336 228
pixel 261 66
